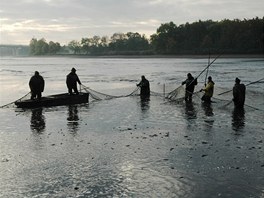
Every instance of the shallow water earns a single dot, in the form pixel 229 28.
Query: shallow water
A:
pixel 126 147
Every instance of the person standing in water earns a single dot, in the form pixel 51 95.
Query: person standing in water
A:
pixel 190 84
pixel 208 90
pixel 239 94
pixel 144 87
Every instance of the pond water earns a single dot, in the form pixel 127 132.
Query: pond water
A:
pixel 126 147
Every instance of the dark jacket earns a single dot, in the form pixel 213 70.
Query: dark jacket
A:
pixel 72 80
pixel 239 93
pixel 144 87
pixel 36 84
pixel 190 84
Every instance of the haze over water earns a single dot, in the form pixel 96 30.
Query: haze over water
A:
pixel 126 147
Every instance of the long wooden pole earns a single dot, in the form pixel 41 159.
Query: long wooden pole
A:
pixel 245 85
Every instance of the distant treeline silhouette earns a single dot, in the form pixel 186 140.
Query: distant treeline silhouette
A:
pixel 228 36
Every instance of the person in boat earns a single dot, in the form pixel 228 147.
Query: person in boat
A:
pixel 36 84
pixel 239 94
pixel 71 81
pixel 208 90
pixel 190 84
pixel 144 87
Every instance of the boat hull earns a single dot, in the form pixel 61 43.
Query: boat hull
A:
pixel 54 100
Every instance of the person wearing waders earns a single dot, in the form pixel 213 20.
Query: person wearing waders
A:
pixel 144 87
pixel 208 91
pixel 190 84
pixel 239 94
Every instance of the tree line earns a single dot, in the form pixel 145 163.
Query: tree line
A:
pixel 227 36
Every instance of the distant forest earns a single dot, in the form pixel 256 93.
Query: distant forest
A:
pixel 202 37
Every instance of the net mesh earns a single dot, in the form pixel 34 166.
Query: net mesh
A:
pixel 222 98
pixel 96 95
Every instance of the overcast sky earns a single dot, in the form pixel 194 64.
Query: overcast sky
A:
pixel 65 20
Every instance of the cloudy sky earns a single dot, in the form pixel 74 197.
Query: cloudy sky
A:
pixel 65 20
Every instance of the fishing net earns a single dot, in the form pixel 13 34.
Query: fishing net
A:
pixel 177 94
pixel 96 95
pixel 12 104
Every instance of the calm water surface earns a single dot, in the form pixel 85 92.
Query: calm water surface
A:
pixel 126 147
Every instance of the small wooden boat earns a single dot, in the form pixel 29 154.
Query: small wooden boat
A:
pixel 54 100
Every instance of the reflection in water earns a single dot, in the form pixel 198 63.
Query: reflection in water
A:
pixel 37 122
pixel 144 102
pixel 73 118
pixel 190 111
pixel 144 105
pixel 238 119
pixel 208 110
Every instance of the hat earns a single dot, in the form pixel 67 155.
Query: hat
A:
pixel 237 80
pixel 209 78
pixel 73 69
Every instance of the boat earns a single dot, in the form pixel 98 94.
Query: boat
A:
pixel 54 100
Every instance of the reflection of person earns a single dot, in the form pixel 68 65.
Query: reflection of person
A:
pixel 144 87
pixel 190 84
pixel 239 92
pixel 238 118
pixel 73 118
pixel 208 90
pixel 71 81
pixel 208 110
pixel 36 84
pixel 190 111
pixel 37 120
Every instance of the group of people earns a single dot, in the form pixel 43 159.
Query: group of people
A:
pixel 239 90
pixel 37 83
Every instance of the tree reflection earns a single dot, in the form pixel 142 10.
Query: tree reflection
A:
pixel 73 118
pixel 37 122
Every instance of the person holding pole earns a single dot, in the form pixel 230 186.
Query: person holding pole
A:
pixel 208 90
pixel 190 84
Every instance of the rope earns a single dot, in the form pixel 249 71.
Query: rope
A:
pixel 15 101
